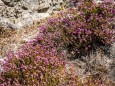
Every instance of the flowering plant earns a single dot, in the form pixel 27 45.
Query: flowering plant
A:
pixel 40 62
pixel 33 65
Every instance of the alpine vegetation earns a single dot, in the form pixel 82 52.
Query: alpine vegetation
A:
pixel 71 33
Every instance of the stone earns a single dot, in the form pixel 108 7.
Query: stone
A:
pixel 1 2
pixel 1 60
pixel 112 50
pixel 21 13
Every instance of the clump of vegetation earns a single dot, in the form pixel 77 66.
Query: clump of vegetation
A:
pixel 76 31
pixel 79 33
pixel 6 33
pixel 31 66
pixel 36 65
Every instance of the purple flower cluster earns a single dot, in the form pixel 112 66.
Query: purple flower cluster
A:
pixel 33 65
pixel 41 61
pixel 79 33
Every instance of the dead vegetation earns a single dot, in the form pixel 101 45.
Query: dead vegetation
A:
pixel 11 40
pixel 97 66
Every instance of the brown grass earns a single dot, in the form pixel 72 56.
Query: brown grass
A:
pixel 11 40
pixel 97 65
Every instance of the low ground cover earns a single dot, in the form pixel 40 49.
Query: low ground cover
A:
pixel 70 34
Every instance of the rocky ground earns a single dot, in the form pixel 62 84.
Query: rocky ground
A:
pixel 19 20
pixel 16 15
pixel 21 13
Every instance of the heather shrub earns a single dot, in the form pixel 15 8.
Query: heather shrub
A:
pixel 34 66
pixel 98 18
pixel 80 32
pixel 69 34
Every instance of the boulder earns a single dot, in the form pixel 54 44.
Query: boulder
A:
pixel 21 13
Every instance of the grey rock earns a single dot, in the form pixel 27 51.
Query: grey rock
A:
pixel 1 2
pixel 112 50
pixel 112 70
pixel 113 74
pixel 21 13
pixel 5 23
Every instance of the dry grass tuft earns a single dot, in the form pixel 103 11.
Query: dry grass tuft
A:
pixel 97 66
pixel 11 40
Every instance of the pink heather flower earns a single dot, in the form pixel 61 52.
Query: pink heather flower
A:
pixel 45 53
